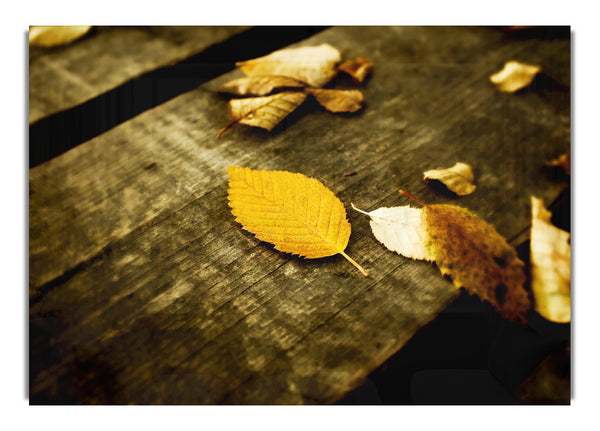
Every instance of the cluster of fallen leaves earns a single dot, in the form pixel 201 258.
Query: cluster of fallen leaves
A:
pixel 301 216
pixel 278 83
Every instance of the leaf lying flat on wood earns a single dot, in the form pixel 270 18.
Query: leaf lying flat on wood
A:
pixel 464 247
pixel 265 112
pixel 314 65
pixel 550 265
pixel 338 100
pixel 514 76
pixel 477 258
pixel 459 178
pixel 358 69
pixel 400 229
pixel 55 35
pixel 298 214
pixel 260 85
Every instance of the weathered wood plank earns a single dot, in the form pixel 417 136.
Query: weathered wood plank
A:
pixel 145 290
pixel 63 77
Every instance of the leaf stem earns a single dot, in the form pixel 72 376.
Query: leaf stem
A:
pixel 359 210
pixel 412 197
pixel 353 262
pixel 225 128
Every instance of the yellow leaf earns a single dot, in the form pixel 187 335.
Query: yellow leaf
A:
pixel 358 69
pixel 514 76
pixel 550 265
pixel 265 112
pixel 49 36
pixel 298 214
pixel 314 65
pixel 260 85
pixel 338 100
pixel 459 178
pixel 464 247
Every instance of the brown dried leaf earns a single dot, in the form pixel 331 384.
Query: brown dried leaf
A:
pixel 514 76
pixel 55 35
pixel 358 69
pixel 563 161
pixel 260 85
pixel 459 178
pixel 265 112
pixel 299 215
pixel 338 100
pixel 550 265
pixel 314 65
pixel 477 258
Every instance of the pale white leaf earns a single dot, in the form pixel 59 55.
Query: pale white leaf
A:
pixel 400 229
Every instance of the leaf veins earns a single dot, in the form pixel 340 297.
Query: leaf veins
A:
pixel 298 214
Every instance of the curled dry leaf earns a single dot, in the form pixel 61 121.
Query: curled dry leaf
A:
pixel 298 214
pixel 563 161
pixel 358 69
pixel 463 246
pixel 314 65
pixel 514 76
pixel 338 100
pixel 550 265
pixel 265 112
pixel 56 35
pixel 459 178
pixel 260 85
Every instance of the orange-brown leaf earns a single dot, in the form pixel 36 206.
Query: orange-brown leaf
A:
pixel 563 161
pixel 298 214
pixel 358 69
pixel 477 258
pixel 338 100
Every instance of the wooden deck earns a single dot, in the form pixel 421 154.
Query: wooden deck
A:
pixel 144 290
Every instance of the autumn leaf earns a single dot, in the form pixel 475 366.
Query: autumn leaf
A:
pixel 459 178
pixel 338 100
pixel 55 35
pixel 464 247
pixel 514 76
pixel 265 112
pixel 550 265
pixel 260 85
pixel 400 229
pixel 358 69
pixel 314 65
pixel 298 214
pixel 563 161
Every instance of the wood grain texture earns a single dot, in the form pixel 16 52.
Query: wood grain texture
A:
pixel 63 77
pixel 144 289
